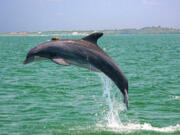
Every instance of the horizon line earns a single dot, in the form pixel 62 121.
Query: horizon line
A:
pixel 83 30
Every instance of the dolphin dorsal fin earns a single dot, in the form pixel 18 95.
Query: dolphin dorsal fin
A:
pixel 93 37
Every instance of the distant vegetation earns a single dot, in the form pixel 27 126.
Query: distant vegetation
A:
pixel 148 30
pixel 145 30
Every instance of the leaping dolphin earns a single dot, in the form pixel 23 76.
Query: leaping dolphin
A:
pixel 84 53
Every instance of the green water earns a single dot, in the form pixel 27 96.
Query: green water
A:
pixel 47 99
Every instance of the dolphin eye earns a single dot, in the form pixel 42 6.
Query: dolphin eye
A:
pixel 36 57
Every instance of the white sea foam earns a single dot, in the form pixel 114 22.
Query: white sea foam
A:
pixel 133 127
pixel 176 97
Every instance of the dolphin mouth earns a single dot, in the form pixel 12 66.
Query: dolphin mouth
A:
pixel 26 61
pixel 32 59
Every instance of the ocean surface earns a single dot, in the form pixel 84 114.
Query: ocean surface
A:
pixel 43 98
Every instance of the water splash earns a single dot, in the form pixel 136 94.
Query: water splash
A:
pixel 113 115
pixel 114 122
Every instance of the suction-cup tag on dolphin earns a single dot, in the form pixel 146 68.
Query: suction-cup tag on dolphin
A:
pixel 55 38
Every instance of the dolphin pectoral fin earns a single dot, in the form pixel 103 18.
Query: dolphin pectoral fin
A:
pixel 126 99
pixel 60 61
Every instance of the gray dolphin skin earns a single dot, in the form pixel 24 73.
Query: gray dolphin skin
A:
pixel 84 53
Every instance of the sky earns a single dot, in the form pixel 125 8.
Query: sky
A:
pixel 57 15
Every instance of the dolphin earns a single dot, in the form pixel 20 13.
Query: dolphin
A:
pixel 85 53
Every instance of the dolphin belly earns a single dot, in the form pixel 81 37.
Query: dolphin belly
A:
pixel 83 64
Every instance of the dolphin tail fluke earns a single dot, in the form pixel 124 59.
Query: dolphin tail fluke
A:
pixel 126 99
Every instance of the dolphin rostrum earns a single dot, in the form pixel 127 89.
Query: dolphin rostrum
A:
pixel 84 53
